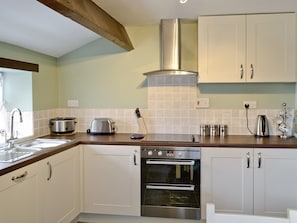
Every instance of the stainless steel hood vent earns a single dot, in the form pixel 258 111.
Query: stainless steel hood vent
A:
pixel 170 50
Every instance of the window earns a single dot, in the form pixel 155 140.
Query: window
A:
pixel 16 92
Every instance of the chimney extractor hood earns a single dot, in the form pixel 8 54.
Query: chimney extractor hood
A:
pixel 170 50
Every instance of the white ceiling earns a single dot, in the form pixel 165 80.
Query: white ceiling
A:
pixel 140 12
pixel 29 24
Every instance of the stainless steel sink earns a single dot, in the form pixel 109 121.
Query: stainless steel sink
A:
pixel 28 148
pixel 14 154
pixel 43 143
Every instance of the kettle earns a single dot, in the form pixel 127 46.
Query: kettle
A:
pixel 262 128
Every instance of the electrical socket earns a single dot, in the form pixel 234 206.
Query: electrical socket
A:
pixel 72 103
pixel 252 104
pixel 202 103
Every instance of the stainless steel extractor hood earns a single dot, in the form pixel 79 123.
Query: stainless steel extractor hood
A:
pixel 170 49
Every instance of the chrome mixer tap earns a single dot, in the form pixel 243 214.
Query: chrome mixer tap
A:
pixel 12 137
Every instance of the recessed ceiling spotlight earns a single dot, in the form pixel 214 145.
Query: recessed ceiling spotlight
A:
pixel 183 1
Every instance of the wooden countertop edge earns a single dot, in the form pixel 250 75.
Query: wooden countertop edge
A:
pixel 124 139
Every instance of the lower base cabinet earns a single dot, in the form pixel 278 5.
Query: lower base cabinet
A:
pixel 60 190
pixel 249 181
pixel 19 195
pixel 111 180
pixel 275 181
pixel 47 191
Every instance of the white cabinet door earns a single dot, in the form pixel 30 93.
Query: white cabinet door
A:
pixel 227 179
pixel 19 195
pixel 60 195
pixel 112 179
pixel 247 48
pixel 275 181
pixel 271 50
pixel 221 49
pixel 264 184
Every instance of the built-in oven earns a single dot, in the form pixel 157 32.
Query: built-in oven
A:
pixel 170 182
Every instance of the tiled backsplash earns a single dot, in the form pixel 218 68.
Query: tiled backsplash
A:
pixel 161 120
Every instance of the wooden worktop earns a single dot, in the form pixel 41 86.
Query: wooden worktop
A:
pixel 235 141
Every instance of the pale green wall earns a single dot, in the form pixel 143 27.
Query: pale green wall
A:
pixel 101 75
pixel 189 45
pixel 45 90
pixel 267 96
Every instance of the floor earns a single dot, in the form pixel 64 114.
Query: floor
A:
pixel 86 218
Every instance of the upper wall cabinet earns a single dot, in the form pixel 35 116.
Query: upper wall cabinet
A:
pixel 247 48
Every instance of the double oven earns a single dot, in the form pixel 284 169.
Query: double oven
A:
pixel 170 182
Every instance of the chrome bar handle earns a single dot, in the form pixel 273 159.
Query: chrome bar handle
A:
pixel 252 71
pixel 19 177
pixel 134 157
pixel 171 187
pixel 241 71
pixel 259 160
pixel 171 162
pixel 248 159
pixel 50 170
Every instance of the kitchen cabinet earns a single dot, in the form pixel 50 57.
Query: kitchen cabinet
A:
pixel 226 181
pixel 275 181
pixel 247 48
pixel 249 181
pixel 45 191
pixel 60 184
pixel 19 195
pixel 111 179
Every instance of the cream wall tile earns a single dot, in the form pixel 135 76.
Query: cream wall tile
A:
pixel 178 120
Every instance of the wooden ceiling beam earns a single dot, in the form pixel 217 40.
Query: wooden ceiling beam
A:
pixel 20 65
pixel 91 16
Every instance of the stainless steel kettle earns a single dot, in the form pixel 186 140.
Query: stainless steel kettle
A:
pixel 262 128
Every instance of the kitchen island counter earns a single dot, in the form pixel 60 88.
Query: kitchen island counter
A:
pixel 234 141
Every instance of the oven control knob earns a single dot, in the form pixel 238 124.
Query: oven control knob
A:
pixel 149 153
pixel 160 153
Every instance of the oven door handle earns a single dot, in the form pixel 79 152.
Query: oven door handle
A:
pixel 168 162
pixel 169 187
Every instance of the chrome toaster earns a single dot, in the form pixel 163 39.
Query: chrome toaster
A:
pixel 102 126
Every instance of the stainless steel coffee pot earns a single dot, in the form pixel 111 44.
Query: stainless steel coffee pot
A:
pixel 262 128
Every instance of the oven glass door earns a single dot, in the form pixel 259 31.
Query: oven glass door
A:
pixel 171 182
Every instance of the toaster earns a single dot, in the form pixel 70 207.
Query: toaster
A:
pixel 102 126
